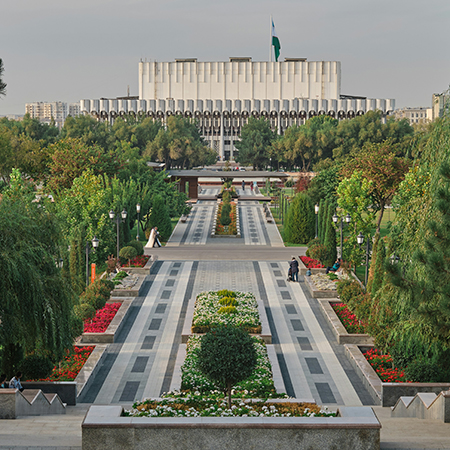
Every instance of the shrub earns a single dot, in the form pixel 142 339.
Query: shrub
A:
pixel 36 366
pixel 227 356
pixel 226 197
pixel 228 301
pixel 227 310
pixel 225 218
pixel 97 294
pixel 111 264
pixel 84 311
pixel 319 252
pixel 300 221
pixel 347 289
pixel 226 293
pixel 127 253
pixel 138 246
pixel 425 371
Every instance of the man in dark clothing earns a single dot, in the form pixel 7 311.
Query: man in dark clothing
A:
pixel 294 269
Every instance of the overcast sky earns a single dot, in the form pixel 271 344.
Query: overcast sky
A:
pixel 60 50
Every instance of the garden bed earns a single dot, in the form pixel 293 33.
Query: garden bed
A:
pixel 303 268
pixel 217 229
pixel 386 393
pixel 106 427
pixel 321 286
pixel 259 323
pixel 259 385
pixel 145 270
pixel 113 329
pixel 342 334
pixel 132 287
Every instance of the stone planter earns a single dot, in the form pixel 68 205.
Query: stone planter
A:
pixel 132 291
pixel 108 337
pixel 318 293
pixel 356 428
pixel 142 270
pixel 342 335
pixel 302 268
pixel 214 224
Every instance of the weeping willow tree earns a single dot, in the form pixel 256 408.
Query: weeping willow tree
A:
pixel 411 310
pixel 36 303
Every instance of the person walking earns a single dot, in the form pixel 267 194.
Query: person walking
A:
pixel 243 185
pixel 293 265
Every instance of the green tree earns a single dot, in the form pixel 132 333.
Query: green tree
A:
pixel 325 181
pixel 306 144
pixel 227 356
pixel 330 237
pixel 254 146
pixel 352 135
pixel 159 217
pixel 2 83
pixel 36 304
pixel 300 221
pixel 379 164
pixel 88 130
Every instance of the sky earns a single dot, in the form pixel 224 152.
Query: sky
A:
pixel 61 50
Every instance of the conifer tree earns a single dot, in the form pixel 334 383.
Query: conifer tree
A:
pixel 372 266
pixel 160 218
pixel 300 221
pixel 321 219
pixel 330 237
pixel 378 267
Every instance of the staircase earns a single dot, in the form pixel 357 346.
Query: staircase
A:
pixel 30 402
pixel 424 405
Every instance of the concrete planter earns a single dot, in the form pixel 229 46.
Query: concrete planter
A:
pixel 318 293
pixel 238 224
pixel 302 268
pixel 355 428
pixel 66 390
pixel 342 335
pixel 90 368
pixel 143 270
pixel 108 337
pixel 386 393
pixel 133 291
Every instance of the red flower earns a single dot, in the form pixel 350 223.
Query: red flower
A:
pixel 102 319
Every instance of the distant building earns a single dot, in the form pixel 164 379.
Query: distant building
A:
pixel 439 103
pixel 414 115
pixel 48 111
pixel 223 95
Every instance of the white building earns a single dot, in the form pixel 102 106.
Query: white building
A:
pixel 222 95
pixel 414 115
pixel 48 111
pixel 439 103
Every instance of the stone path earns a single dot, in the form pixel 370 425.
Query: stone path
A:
pixel 141 363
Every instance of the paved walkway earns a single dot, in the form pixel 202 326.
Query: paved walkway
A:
pixel 142 361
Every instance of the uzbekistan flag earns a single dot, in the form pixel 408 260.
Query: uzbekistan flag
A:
pixel 275 42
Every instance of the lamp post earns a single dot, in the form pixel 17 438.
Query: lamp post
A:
pixel 118 219
pixel 316 210
pixel 138 209
pixel 360 240
pixel 348 219
pixel 94 242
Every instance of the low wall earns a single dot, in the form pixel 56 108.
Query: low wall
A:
pixel 131 292
pixel 318 293
pixel 342 335
pixel 302 268
pixel 86 375
pixel 391 392
pixel 356 429
pixel 143 270
pixel 66 390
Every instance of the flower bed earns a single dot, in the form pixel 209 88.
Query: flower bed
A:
pixel 230 229
pixel 383 366
pixel 209 312
pixel 259 385
pixel 102 319
pixel 138 261
pixel 71 365
pixel 323 282
pixel 311 263
pixel 348 319
pixel 197 406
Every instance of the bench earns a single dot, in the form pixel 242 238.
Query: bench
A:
pixel 183 218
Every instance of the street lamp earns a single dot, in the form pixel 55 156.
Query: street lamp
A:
pixel 316 210
pixel 94 242
pixel 360 241
pixel 118 219
pixel 138 209
pixel 348 219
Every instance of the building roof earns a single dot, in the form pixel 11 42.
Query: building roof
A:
pixel 224 174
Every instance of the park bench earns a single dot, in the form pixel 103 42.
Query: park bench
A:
pixel 183 218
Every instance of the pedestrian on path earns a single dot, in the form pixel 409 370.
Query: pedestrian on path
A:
pixel 243 185
pixel 251 187
pixel 293 265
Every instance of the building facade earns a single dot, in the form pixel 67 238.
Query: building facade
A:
pixel 223 95
pixel 48 111
pixel 414 116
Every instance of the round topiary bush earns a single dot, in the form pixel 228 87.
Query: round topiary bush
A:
pixel 138 246
pixel 227 310
pixel 84 311
pixel 35 367
pixel 127 253
pixel 227 356
pixel 228 301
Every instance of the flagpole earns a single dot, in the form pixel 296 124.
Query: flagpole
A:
pixel 270 46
